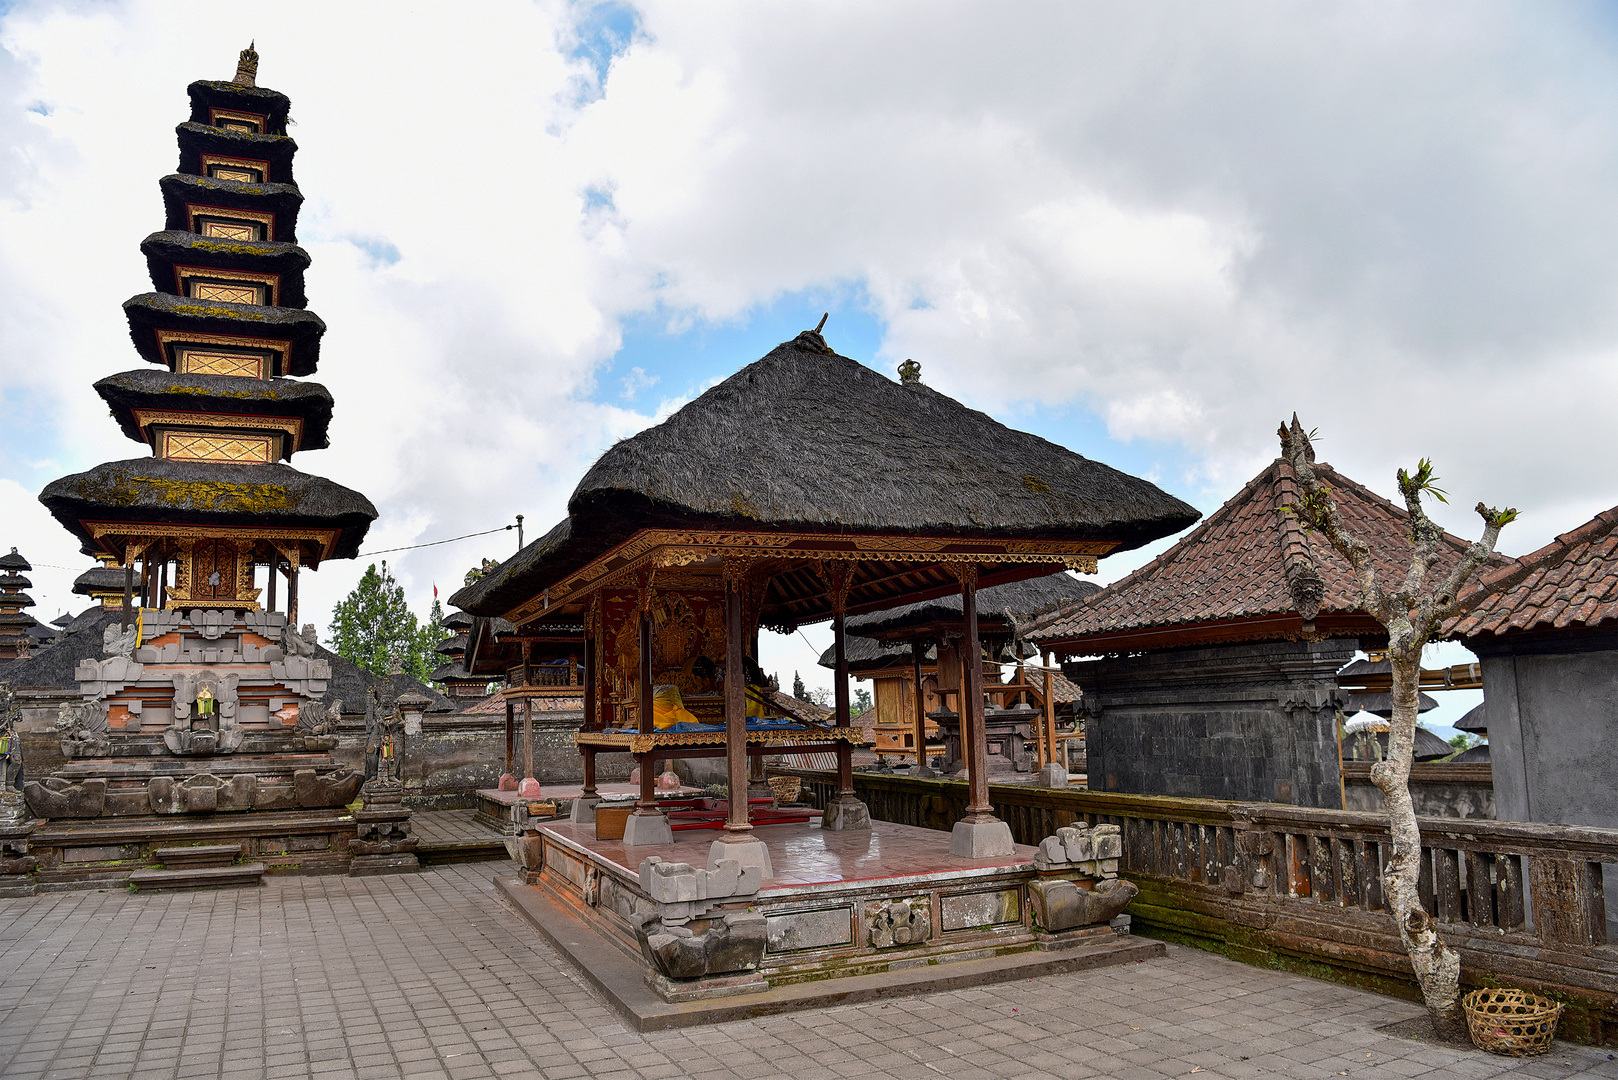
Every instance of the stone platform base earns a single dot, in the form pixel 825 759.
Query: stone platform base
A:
pixel 97 853
pixel 621 975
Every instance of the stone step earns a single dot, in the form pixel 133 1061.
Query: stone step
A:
pixel 200 855
pixel 206 877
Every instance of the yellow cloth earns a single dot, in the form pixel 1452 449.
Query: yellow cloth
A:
pixel 668 709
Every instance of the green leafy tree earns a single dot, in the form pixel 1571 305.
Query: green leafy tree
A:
pixel 862 700
pixel 375 629
pixel 433 632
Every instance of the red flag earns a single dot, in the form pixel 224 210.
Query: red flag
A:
pixel 435 590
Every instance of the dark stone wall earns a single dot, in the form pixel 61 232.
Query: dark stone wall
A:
pixel 1250 722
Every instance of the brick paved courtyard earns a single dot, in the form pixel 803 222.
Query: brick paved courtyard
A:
pixel 426 976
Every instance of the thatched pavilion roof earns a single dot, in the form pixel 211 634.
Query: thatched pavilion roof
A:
pixel 805 441
pixel 1003 608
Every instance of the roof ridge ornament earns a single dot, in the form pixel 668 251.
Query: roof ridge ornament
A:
pixel 910 373
pixel 247 66
pixel 811 339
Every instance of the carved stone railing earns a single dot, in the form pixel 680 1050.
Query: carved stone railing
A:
pixel 1301 888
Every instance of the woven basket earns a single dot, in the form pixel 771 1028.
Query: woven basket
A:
pixel 786 788
pixel 1511 1022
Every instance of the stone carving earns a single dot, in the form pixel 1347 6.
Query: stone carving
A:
pixel 902 922
pixel 195 731
pixel 296 644
pixel 13 808
pixel 1092 851
pixel 212 623
pixel 119 642
pixel 98 678
pixel 681 891
pixel 1060 904
pixel 54 797
pixel 84 729
pixel 730 944
pixel 382 731
pixel 317 723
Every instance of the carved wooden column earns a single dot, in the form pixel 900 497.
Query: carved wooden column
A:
pixel 916 649
pixel 845 811
pixel 979 835
pixel 646 826
pixel 736 821
pixel 528 787
pixel 269 586
pixel 511 747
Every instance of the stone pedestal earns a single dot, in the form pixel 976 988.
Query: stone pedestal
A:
pixel 748 851
pixel 583 811
pixel 846 812
pixel 647 830
pixel 16 865
pixel 1053 776
pixel 989 839
pixel 384 844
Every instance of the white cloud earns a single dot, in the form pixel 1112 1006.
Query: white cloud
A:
pixel 1396 221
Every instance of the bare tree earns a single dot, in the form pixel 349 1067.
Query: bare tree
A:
pixel 1412 611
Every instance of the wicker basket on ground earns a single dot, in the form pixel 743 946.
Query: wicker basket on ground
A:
pixel 1511 1022
pixel 786 789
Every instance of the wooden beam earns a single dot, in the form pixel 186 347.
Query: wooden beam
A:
pixel 736 818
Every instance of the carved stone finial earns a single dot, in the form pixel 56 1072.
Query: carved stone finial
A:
pixel 909 372
pixel 247 67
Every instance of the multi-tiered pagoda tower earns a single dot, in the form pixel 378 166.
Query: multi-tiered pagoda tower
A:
pixel 199 752
pixel 226 325
pixel 14 621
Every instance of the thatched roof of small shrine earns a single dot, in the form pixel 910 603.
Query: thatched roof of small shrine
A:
pixel 209 93
pixel 805 440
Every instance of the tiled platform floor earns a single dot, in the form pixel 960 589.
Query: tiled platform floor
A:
pixel 806 854
pixel 426 976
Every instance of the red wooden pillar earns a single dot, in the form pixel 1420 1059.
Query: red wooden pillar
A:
pixel 737 823
pixel 921 705
pixel 591 721
pixel 648 790
pixel 511 736
pixel 845 752
pixel 527 716
pixel 972 705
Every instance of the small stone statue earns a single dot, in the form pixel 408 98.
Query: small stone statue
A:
pixel 317 723
pixel 383 730
pixel 11 757
pixel 296 644
pixel 84 729
pixel 119 642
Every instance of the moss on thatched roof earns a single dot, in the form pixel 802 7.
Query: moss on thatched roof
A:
pixel 166 250
pixel 209 493
pixel 283 200
pixel 230 394
pixel 150 312
pixel 208 93
pixel 807 440
pixel 198 139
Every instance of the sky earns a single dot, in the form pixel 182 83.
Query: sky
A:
pixel 1148 232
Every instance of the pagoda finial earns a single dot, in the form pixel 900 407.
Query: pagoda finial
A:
pixel 909 372
pixel 247 67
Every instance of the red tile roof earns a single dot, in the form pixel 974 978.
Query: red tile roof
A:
pixel 1572 582
pixel 1248 572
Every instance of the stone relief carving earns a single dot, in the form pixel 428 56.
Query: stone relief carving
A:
pixel 902 922
pixel 679 939
pixel 196 731
pixel 119 642
pixel 84 729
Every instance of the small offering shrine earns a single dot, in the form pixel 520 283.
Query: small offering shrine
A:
pixel 199 751
pixel 737 514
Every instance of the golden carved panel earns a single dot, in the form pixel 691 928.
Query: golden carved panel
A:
pixel 230 294
pixel 207 362
pixel 228 230
pixel 209 283
pixel 236 449
pixel 212 163
pixel 211 219
pixel 228 172
pixel 173 342
pixel 289 424
pixel 236 120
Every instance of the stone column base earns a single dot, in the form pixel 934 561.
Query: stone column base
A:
pixel 750 851
pixel 400 862
pixel 647 830
pixel 583 811
pixel 845 813
pixel 1053 776
pixel 989 839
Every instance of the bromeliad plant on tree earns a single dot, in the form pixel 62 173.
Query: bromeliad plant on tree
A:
pixel 1412 612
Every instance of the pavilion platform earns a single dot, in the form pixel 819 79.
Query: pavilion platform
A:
pixel 494 806
pixel 828 911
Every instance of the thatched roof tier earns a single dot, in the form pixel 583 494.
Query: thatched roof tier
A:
pixel 16 618
pixel 1003 609
pixel 264 497
pixel 456 620
pixel 494 646
pixel 181 190
pixel 1248 573
pixel 454 672
pixel 165 251
pixel 1475 721
pixel 271 104
pixel 14 562
pixel 100 579
pixel 16 600
pixel 276 151
pixel 150 391
pixel 806 455
pixel 452 646
pixel 14 581
pixel 52 668
pixel 150 312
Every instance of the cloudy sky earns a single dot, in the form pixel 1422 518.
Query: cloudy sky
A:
pixel 1148 232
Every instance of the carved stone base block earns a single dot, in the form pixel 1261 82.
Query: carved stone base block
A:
pixel 647 830
pixel 748 852
pixel 583 811
pixel 384 844
pixel 981 840
pixel 16 865
pixel 529 788
pixel 397 863
pixel 1053 776
pixel 845 812
pixel 1060 904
